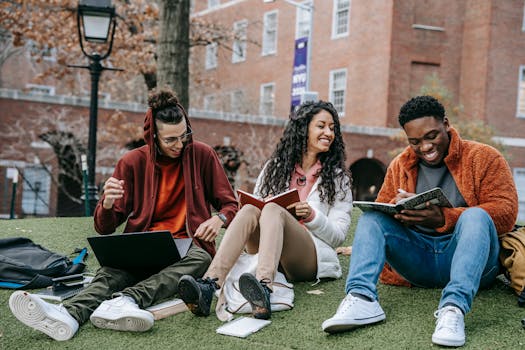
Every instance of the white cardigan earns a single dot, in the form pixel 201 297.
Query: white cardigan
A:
pixel 328 228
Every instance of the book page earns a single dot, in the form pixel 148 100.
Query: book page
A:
pixel 283 199
pixel 382 207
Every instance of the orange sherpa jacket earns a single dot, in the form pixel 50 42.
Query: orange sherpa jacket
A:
pixel 481 173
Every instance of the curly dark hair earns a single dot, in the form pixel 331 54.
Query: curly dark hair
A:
pixel 421 106
pixel 165 106
pixel 291 148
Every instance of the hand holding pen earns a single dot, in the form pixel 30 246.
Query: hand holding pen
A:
pixel 401 194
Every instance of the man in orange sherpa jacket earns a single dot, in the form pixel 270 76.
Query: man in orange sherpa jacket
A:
pixel 451 248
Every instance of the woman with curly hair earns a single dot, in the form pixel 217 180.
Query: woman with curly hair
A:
pixel 310 157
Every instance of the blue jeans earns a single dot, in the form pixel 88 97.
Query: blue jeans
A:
pixel 459 262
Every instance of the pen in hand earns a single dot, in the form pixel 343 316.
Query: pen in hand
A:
pixel 400 190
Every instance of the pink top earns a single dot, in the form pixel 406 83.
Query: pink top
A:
pixel 304 181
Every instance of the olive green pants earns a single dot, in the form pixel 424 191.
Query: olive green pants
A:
pixel 145 287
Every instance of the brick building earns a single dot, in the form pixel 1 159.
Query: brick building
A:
pixel 367 57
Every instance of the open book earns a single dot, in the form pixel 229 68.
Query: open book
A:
pixel 434 196
pixel 283 199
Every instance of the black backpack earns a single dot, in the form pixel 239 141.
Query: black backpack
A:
pixel 24 264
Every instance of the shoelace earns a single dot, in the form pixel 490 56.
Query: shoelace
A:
pixel 347 302
pixel 265 282
pixel 210 281
pixel 447 318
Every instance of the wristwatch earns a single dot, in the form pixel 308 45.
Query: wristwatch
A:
pixel 222 217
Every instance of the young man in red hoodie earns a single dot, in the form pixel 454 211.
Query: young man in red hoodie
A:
pixel 171 183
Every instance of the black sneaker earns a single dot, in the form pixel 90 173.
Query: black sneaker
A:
pixel 197 294
pixel 258 295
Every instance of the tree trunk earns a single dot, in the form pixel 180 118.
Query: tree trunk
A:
pixel 173 47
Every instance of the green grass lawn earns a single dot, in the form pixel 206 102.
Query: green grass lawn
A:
pixel 494 322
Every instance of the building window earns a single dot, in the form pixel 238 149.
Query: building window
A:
pixel 40 89
pixel 521 93
pixel 209 102
pixel 338 90
pixel 211 56
pixel 341 18
pixel 523 22
pixel 237 101
pixel 303 22
pixel 239 41
pixel 213 3
pixel 45 52
pixel 519 180
pixel 267 99
pixel 35 193
pixel 269 42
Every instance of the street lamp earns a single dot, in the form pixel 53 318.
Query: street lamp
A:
pixel 96 23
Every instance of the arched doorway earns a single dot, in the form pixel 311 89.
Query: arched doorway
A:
pixel 367 175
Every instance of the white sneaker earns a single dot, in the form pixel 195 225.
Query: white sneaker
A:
pixel 122 314
pixel 450 327
pixel 353 312
pixel 51 319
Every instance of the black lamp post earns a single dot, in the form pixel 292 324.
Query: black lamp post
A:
pixel 96 22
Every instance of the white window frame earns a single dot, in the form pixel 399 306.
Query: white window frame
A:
pixel 270 33
pixel 303 18
pixel 47 54
pixel 263 101
pixel 240 28
pixel 332 91
pixel 209 102
pixel 521 93
pixel 41 89
pixel 236 101
pixel 519 180
pixel 336 16
pixel 36 202
pixel 213 3
pixel 211 58
pixel 523 20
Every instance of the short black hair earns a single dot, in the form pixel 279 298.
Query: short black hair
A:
pixel 419 107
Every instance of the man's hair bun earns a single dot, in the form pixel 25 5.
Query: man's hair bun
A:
pixel 163 98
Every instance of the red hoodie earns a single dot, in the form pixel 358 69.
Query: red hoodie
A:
pixel 205 186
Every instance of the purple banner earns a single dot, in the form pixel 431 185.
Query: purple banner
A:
pixel 299 71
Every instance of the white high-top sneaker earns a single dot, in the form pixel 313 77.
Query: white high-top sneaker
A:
pixel 450 327
pixel 354 312
pixel 51 319
pixel 122 314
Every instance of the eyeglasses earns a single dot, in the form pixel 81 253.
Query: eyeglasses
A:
pixel 170 141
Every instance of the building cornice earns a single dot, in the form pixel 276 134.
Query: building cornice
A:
pixel 76 101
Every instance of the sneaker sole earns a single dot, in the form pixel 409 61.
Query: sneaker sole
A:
pixel 447 342
pixel 190 293
pixel 337 326
pixel 30 311
pixel 254 292
pixel 140 322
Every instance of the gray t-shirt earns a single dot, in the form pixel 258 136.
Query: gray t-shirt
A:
pixel 430 177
